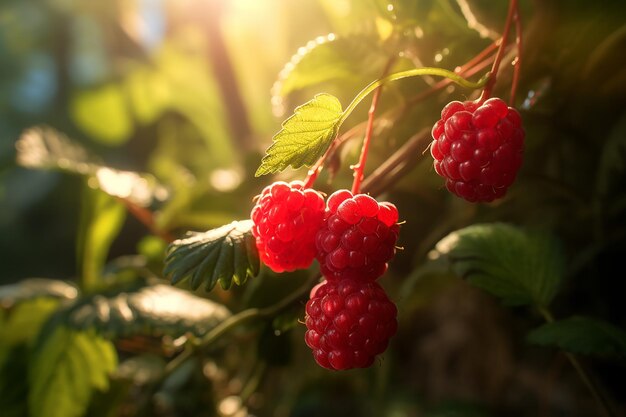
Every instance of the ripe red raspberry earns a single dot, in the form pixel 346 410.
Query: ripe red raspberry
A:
pixel 286 218
pixel 349 322
pixel 478 149
pixel 357 238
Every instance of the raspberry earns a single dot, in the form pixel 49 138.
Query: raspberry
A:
pixel 286 218
pixel 478 149
pixel 348 323
pixel 357 238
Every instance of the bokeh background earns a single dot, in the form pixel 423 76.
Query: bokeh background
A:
pixel 178 99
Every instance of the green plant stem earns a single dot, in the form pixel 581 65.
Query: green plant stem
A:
pixel 238 319
pixel 416 72
pixel 601 400
pixel 491 81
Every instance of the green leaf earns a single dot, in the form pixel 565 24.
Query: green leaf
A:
pixel 581 335
pixel 304 136
pixel 225 254
pixel 101 219
pixel 25 320
pixel 103 114
pixel 330 58
pixel 65 370
pixel 31 288
pixel 153 310
pixel 518 266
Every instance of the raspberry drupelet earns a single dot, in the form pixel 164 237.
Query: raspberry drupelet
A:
pixel 286 219
pixel 478 149
pixel 349 322
pixel 357 238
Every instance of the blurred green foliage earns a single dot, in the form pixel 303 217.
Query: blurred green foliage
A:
pixel 127 123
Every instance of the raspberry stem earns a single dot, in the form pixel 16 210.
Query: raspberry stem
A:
pixel 518 60
pixel 491 80
pixel 360 166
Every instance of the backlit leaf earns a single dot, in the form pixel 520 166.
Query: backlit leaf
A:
pixel 66 368
pixel 32 288
pixel 153 310
pixel 101 219
pixel 225 254
pixel 304 136
pixel 46 148
pixel 330 58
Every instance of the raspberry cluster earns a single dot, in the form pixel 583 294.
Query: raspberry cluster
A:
pixel 478 149
pixel 357 238
pixel 286 219
pixel 349 322
pixel 349 317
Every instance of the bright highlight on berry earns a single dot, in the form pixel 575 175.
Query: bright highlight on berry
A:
pixel 286 218
pixel 349 322
pixel 357 238
pixel 478 149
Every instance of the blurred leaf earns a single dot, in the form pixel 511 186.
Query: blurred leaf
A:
pixel 304 136
pixel 100 222
pixel 518 266
pixel 140 189
pixel 225 254
pixel 103 114
pixel 581 335
pixel 197 97
pixel 65 370
pixel 483 17
pixel 149 93
pixel 330 58
pixel 31 288
pixel 18 331
pixel 151 310
pixel 24 321
pixel 46 148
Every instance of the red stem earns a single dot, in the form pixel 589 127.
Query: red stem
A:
pixel 360 166
pixel 496 63
pixel 481 55
pixel 518 60
pixel 146 217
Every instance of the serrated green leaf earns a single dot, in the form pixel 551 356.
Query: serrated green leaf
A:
pixel 101 219
pixel 304 136
pixel 65 369
pixel 330 58
pixel 31 288
pixel 518 266
pixel 581 335
pixel 153 310
pixel 223 255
